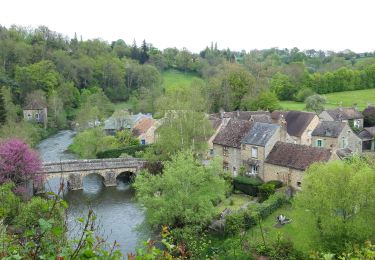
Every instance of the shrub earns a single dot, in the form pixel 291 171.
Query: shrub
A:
pixel 278 184
pixel 265 190
pixel 116 153
pixel 304 93
pixel 247 185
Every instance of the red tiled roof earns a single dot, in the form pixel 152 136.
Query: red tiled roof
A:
pixel 143 126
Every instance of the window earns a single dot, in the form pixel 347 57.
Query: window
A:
pixel 143 141
pixel 254 169
pixel 356 123
pixel 254 152
pixel 243 147
pixel 319 143
pixel 37 116
pixel 343 143
pixel 211 152
pixel 299 184
pixel 225 151
pixel 29 116
pixel 225 166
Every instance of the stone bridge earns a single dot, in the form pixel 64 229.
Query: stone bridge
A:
pixel 73 171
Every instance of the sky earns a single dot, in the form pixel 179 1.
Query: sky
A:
pixel 194 24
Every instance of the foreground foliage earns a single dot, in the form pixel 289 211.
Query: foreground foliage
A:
pixel 184 195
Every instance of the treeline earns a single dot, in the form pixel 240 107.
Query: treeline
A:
pixel 63 68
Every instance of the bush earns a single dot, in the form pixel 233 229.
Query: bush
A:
pixel 265 190
pixel 247 185
pixel 278 184
pixel 304 93
pixel 115 153
pixel 249 217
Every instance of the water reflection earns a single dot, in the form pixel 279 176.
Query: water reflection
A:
pixel 117 213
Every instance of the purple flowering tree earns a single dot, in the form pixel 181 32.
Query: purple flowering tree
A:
pixel 19 163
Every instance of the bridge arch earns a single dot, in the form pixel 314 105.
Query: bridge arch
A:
pixel 93 181
pixel 126 177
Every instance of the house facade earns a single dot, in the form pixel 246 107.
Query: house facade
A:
pixel 367 136
pixel 336 135
pixel 348 115
pixel 257 144
pixel 300 125
pixel 36 112
pixel 287 162
pixel 227 144
pixel 145 129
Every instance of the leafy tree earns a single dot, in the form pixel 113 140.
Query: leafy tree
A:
pixel 315 103
pixel 183 195
pixel 283 87
pixel 339 196
pixel 18 163
pixel 24 130
pixel 3 112
pixel 144 56
pixel 266 101
pixel 12 110
pixel 185 125
pixel 56 112
pixel 304 93
pixel 125 138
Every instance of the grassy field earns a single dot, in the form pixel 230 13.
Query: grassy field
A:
pixel 346 99
pixel 234 202
pixel 303 234
pixel 174 79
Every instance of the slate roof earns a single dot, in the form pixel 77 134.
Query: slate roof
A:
pixel 296 156
pixel 367 133
pixel 215 123
pixel 263 118
pixel 344 153
pixel 329 129
pixel 297 122
pixel 112 124
pixel 260 133
pixel 344 113
pixel 232 134
pixel 143 126
pixel 241 115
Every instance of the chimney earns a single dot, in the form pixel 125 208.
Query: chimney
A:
pixel 283 128
pixel 238 113
pixel 355 106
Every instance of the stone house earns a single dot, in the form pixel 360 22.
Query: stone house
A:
pixel 336 135
pixel 348 115
pixel 35 111
pixel 227 143
pixel 144 130
pixel 367 136
pixel 287 162
pixel 220 120
pixel 300 125
pixel 257 144
pixel 112 124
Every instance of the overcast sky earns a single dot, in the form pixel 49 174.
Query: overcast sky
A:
pixel 194 24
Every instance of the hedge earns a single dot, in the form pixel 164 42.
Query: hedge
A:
pixel 250 216
pixel 247 185
pixel 115 153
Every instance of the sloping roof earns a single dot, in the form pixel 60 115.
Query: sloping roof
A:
pixel 232 134
pixel 275 115
pixel 143 126
pixel 296 156
pixel 344 153
pixel 297 122
pixel 128 122
pixel 262 118
pixel 35 105
pixel 344 113
pixel 329 129
pixel 215 123
pixel 369 111
pixel 367 133
pixel 241 115
pixel 260 134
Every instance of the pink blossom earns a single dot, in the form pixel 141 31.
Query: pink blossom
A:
pixel 18 163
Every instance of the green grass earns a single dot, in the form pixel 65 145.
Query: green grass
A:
pixel 300 231
pixel 345 99
pixel 122 105
pixel 174 79
pixel 234 202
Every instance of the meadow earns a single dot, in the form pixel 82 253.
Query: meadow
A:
pixel 345 99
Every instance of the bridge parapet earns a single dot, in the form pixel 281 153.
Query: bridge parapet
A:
pixel 91 164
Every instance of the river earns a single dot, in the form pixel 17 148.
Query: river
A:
pixel 118 215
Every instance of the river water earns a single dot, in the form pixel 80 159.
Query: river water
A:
pixel 118 215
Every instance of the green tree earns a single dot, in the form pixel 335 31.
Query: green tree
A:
pixel 3 112
pixel 12 110
pixel 339 196
pixel 183 195
pixel 282 86
pixel 315 103
pixel 56 112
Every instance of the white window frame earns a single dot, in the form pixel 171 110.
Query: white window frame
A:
pixel 254 152
pixel 254 169
pixel 321 143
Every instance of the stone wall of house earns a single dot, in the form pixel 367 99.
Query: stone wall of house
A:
pixel 288 176
pixel 353 142
pixel 246 155
pixel 149 136
pixel 306 135
pixel 232 159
